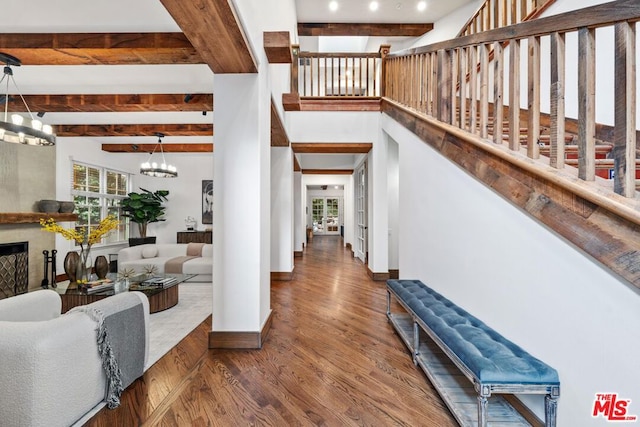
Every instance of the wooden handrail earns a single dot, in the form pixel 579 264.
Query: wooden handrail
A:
pixel 450 81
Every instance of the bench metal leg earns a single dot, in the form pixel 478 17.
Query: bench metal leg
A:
pixel 388 305
pixel 482 411
pixel 550 410
pixel 416 342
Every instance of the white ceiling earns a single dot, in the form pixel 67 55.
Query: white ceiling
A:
pixel 389 11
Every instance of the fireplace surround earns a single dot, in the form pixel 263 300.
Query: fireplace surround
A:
pixel 14 269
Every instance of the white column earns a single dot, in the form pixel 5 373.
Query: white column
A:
pixel 298 213
pixel 282 209
pixel 378 211
pixel 241 213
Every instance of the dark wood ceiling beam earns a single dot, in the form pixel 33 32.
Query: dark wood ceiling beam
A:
pixel 100 48
pixel 327 171
pixel 279 136
pixel 214 30
pixel 378 30
pixel 331 147
pixel 277 46
pixel 196 129
pixel 167 148
pixel 113 103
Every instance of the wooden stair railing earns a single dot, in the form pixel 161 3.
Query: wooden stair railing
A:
pixel 433 80
pixel 493 14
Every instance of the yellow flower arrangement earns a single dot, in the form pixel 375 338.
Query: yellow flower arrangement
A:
pixel 80 235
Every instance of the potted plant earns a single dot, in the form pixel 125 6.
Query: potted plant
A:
pixel 144 208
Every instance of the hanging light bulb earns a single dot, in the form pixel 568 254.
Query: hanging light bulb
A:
pixel 164 170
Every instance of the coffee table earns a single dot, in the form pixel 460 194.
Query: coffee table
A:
pixel 159 298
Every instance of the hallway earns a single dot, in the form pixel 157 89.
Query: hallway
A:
pixel 330 359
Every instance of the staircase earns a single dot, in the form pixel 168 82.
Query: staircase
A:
pixel 577 176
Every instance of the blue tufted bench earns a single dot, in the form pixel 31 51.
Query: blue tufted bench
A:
pixel 491 362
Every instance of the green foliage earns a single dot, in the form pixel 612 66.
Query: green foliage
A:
pixel 144 208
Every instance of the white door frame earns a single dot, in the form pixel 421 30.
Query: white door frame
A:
pixel 360 209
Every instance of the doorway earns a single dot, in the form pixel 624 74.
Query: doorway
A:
pixel 326 215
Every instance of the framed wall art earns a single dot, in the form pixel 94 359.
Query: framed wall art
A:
pixel 207 201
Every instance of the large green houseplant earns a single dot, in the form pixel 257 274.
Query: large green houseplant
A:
pixel 144 208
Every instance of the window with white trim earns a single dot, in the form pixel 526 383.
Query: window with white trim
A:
pixel 97 192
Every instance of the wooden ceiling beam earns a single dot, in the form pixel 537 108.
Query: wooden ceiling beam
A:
pixel 167 148
pixel 331 147
pixel 277 47
pixel 327 171
pixel 376 30
pixel 214 30
pixel 100 48
pixel 113 103
pixel 279 136
pixel 197 129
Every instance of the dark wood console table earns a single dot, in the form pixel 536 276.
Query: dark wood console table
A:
pixel 194 237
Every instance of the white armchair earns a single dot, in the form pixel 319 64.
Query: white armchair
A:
pixel 50 366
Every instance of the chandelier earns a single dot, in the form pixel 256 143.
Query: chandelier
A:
pixel 162 170
pixel 17 130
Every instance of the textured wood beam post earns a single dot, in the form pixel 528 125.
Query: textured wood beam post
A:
pixel 533 120
pixel 277 47
pixel 557 99
pixel 586 104
pixel 383 51
pixel 624 148
pixel 295 65
pixel 462 114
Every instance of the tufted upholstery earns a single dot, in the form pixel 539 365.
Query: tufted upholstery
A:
pixel 488 355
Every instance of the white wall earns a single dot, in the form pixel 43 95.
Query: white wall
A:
pixel 282 209
pixel 449 26
pixel 504 267
pixel 393 188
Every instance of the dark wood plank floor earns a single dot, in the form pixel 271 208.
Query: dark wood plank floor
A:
pixel 330 359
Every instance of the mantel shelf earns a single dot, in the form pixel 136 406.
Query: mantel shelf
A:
pixel 34 217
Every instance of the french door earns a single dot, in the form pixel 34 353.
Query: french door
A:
pixel 326 214
pixel 360 250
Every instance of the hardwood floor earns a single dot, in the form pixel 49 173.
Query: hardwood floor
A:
pixel 330 359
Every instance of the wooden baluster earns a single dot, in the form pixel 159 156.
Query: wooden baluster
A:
pixel 454 86
pixel 503 12
pixel 533 120
pixel 498 91
pixel 496 13
pixel 557 100
pixel 326 71
pixel 586 104
pixel 514 12
pixel 463 89
pixel 514 95
pixel 353 76
pixel 304 76
pixel 411 80
pixel 473 88
pixel 624 145
pixel 311 66
pixel 484 90
pixel 444 71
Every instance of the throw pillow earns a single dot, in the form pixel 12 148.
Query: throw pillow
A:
pixel 149 252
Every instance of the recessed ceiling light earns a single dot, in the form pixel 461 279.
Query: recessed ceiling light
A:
pixel 422 5
pixel 373 6
pixel 333 6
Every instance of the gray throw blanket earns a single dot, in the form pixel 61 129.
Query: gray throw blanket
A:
pixel 121 339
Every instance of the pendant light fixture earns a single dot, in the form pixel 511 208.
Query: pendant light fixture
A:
pixel 162 170
pixel 19 129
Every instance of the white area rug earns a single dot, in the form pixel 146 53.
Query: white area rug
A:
pixel 170 326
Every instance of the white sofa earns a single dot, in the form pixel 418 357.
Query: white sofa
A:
pixel 140 257
pixel 51 371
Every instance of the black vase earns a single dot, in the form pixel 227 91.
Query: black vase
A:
pixel 101 267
